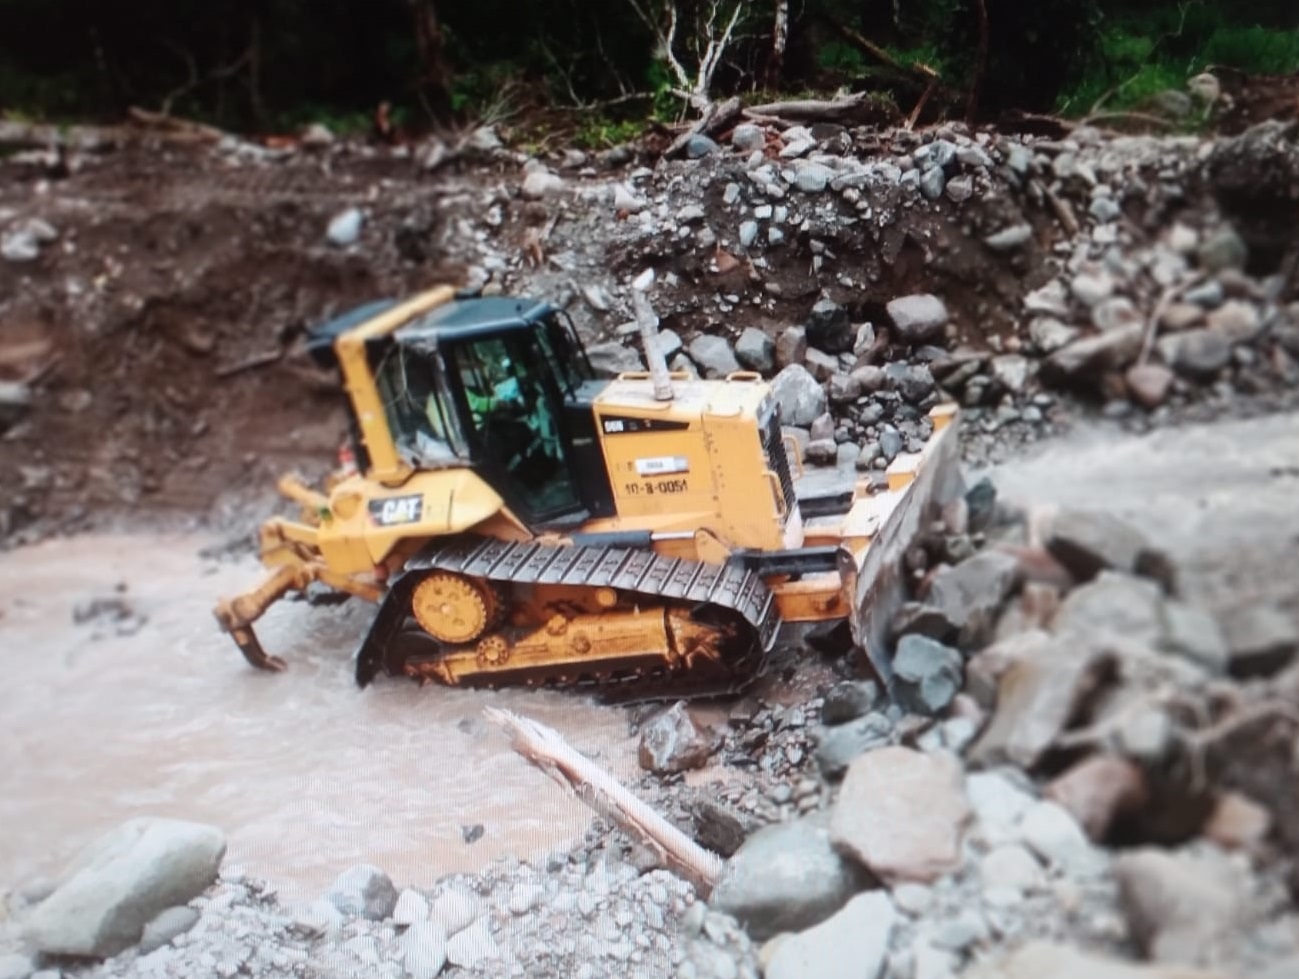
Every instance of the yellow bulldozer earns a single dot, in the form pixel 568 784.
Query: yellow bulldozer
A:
pixel 519 521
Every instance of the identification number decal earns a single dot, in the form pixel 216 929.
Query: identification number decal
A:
pixel 662 465
pixel 657 487
pixel 397 510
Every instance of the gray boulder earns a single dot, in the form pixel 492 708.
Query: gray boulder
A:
pixel 927 675
pixel 611 358
pixel 755 350
pixel 852 944
pixel 16 966
pixel 918 319
pixel 1088 542
pixel 829 329
pixel 166 926
pixel 121 882
pixel 800 397
pixel 786 877
pixel 747 137
pixel 913 381
pixel 424 950
pixel 791 347
pixel 1199 353
pixel 671 742
pixel 1261 640
pixel 1115 603
pixel 840 744
pixel 714 355
pixel 363 891
pixel 971 594
pixel 848 701
pixel 1094 355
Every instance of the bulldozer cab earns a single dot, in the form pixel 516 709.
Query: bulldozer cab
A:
pixel 487 383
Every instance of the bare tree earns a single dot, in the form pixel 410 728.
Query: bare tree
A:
pixel 705 41
pixel 779 39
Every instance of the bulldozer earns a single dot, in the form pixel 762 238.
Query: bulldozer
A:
pixel 519 520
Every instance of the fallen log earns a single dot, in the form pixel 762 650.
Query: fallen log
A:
pixel 546 748
pixel 716 117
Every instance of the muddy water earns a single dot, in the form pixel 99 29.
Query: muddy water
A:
pixel 306 773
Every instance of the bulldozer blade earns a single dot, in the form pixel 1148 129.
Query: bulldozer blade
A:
pixel 880 585
pixel 251 647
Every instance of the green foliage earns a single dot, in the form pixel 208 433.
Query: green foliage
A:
pixel 1253 49
pixel 600 133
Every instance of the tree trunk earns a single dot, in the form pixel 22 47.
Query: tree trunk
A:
pixel 779 39
pixel 980 63
pixel 435 74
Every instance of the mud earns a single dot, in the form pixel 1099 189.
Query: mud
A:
pixel 307 774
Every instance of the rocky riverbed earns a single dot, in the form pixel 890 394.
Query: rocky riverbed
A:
pixel 1083 763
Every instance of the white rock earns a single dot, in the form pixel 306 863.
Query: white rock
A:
pixel 998 805
pixel 852 944
pixel 1013 867
pixel 411 908
pixel 19 247
pixel 364 891
pixel 625 200
pixel 541 183
pixel 475 944
pixel 345 228
pixel 16 966
pixel 320 918
pixel 524 897
pixel 424 950
pixel 455 910
pixel 1056 837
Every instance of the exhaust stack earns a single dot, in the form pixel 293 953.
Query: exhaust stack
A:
pixel 649 324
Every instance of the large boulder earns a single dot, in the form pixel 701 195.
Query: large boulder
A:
pixel 122 882
pixel 1088 542
pixel 714 355
pixel 918 319
pixel 613 357
pixel 829 328
pixel 837 746
pixel 786 877
pixel 927 675
pixel 363 891
pixel 800 397
pixel 755 350
pixel 902 814
pixel 853 944
pixel 971 594
pixel 672 742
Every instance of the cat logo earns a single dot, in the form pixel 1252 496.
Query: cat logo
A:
pixel 397 510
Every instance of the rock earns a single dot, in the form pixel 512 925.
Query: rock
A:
pixel 755 350
pixel 699 146
pixel 540 183
pixel 1177 905
pixel 671 742
pixel 791 347
pixel 1237 320
pixel 913 381
pixel 811 177
pixel 121 882
pixel 15 402
pixel 960 189
pixel 1041 960
pixel 902 814
pixel 922 620
pixel 747 137
pixel 1011 866
pixel 1094 355
pixel 613 357
pixel 786 877
pixel 1148 384
pixel 844 389
pixel 822 427
pixel 166 926
pixel 822 452
pixel 472 946
pixel 1050 300
pixel 848 701
pixel 1222 249
pixel 1181 316
pixel 1053 835
pixel 999 806
pixel 927 675
pixel 1198 353
pixel 20 247
pixel 1261 640
pixel 669 343
pixel 1098 791
pixel 1036 698
pixel 454 910
pixel 1088 542
pixel 748 233
pixel 16 966
pixel 828 328
pixel 363 891
pixel 525 896
pixel 1010 238
pixel 800 397
pixel 1113 603
pixel 624 199
pixel 918 319
pixel 1049 335
pixel 971 594
pixel 1238 822
pixel 839 745
pixel 1105 209
pixel 714 356
pixel 1090 288
pixel 1114 313
pixel 851 944
pixel 1194 632
pixel 720 828
pixel 318 919
pixel 411 908
pixel 424 950
pixel 932 182
pixel 345 229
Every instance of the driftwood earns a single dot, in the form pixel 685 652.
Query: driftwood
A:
pixel 185 130
pixel 809 110
pixel 263 359
pixel 716 117
pixel 547 749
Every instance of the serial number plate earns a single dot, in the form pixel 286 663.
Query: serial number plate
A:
pixel 657 487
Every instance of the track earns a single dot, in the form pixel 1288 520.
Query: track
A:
pixel 704 589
